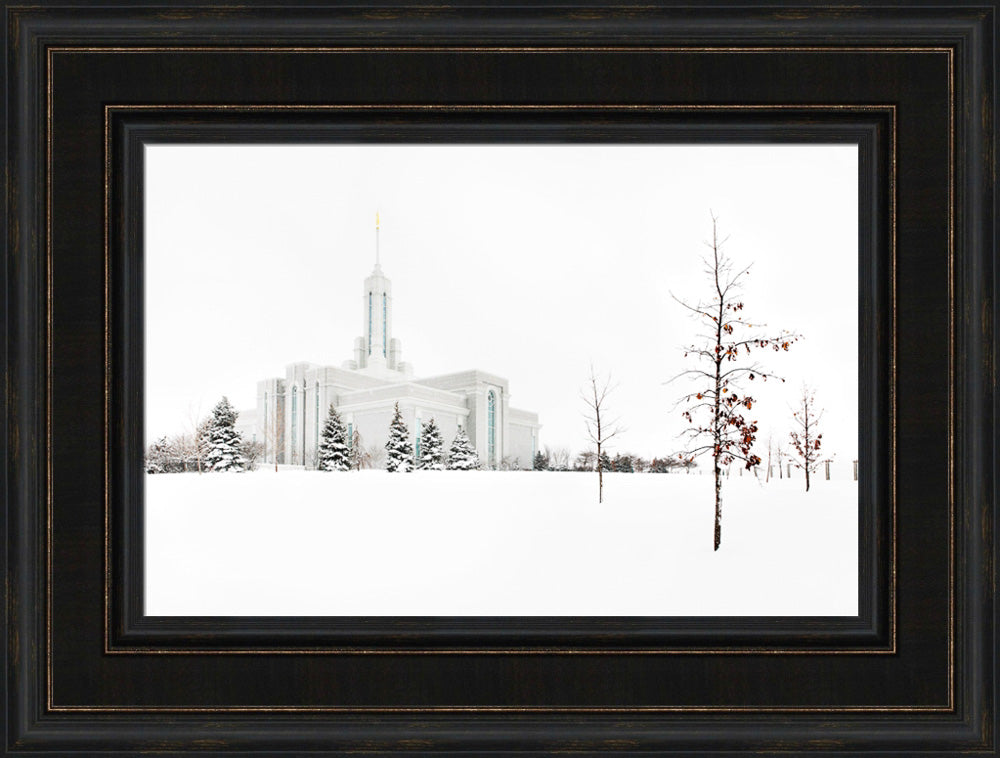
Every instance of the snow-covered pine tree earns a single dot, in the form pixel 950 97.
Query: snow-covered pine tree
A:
pixel 223 440
pixel 462 456
pixel 156 457
pixel 399 456
pixel 334 453
pixel 431 448
pixel 541 462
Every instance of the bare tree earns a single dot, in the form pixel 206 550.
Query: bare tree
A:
pixel 274 436
pixel 781 454
pixel 373 457
pixel 807 440
pixel 775 455
pixel 508 463
pixel 600 427
pixel 357 457
pixel 723 351
pixel 194 443
pixel 585 461
pixel 558 458
pixel 253 451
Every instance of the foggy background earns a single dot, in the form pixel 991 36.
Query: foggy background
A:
pixel 531 262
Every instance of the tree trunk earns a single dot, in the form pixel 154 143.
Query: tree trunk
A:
pixel 600 468
pixel 718 506
pixel 717 431
pixel 807 477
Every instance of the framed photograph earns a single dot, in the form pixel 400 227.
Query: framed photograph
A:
pixel 452 380
pixel 229 230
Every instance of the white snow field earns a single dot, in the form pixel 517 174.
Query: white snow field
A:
pixel 458 543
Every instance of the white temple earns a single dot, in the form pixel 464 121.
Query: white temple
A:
pixel 291 410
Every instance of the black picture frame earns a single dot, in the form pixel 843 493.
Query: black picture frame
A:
pixel 131 128
pixel 87 674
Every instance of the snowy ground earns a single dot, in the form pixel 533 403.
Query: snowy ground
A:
pixel 496 543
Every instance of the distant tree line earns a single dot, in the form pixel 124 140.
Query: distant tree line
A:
pixel 557 459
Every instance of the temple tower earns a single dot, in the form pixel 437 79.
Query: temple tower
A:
pixel 376 349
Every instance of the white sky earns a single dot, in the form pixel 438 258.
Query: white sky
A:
pixel 529 261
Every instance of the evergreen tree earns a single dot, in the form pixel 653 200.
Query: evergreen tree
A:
pixel 431 450
pixel 664 465
pixel 156 457
pixel 622 462
pixel 399 455
pixel 604 462
pixel 541 462
pixel 334 454
pixel 224 441
pixel 462 456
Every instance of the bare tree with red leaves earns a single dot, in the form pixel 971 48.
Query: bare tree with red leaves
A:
pixel 807 440
pixel 716 408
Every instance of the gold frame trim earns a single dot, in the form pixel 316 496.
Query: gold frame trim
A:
pixel 51 707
